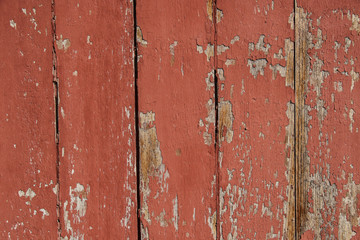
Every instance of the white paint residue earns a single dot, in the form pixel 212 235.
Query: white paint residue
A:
pixel 126 219
pixel 32 20
pixel 212 223
pixel 63 43
pixel 66 218
pixel 62 112
pixel 76 147
pixel 199 49
pixel 257 66
pixel 175 214
pixel 229 62
pixel 88 40
pixel 221 48
pixel 44 212
pixel 28 194
pixel 12 24
pixel 172 48
pixel 78 197
pixel 77 209
pixel 351 117
pixel 127 111
pixel 235 39
pixel 55 189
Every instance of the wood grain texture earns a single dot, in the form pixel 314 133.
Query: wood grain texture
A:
pixel 301 156
pixel 27 122
pixel 96 119
pixel 177 119
pixel 327 121
pixel 255 44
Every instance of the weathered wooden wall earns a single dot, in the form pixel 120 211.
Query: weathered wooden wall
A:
pixel 172 119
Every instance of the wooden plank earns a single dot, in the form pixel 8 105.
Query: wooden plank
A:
pixel 177 119
pixel 255 43
pixel 96 119
pixel 27 122
pixel 327 119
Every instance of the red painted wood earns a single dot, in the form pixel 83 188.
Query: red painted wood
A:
pixel 244 187
pixel 332 100
pixel 178 168
pixel 255 114
pixel 97 124
pixel 27 122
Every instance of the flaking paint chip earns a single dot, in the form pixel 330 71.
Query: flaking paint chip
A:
pixel 12 24
pixel 139 37
pixel 63 43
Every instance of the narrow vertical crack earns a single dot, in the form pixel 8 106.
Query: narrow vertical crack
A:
pixel 295 137
pixel 137 127
pixel 56 103
pixel 216 143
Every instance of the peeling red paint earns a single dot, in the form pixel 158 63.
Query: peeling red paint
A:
pixel 97 119
pixel 245 117
pixel 178 201
pixel 254 178
pixel 27 126
pixel 332 97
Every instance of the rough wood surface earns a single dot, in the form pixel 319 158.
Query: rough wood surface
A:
pixel 327 121
pixel 177 119
pixel 301 156
pixel 27 122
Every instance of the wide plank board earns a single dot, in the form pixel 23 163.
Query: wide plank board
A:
pixel 27 122
pixel 255 55
pixel 327 120
pixel 176 119
pixel 97 140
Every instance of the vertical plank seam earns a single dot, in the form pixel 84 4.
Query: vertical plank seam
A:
pixel 216 142
pixel 136 114
pixel 56 103
pixel 295 136
pixel 300 121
